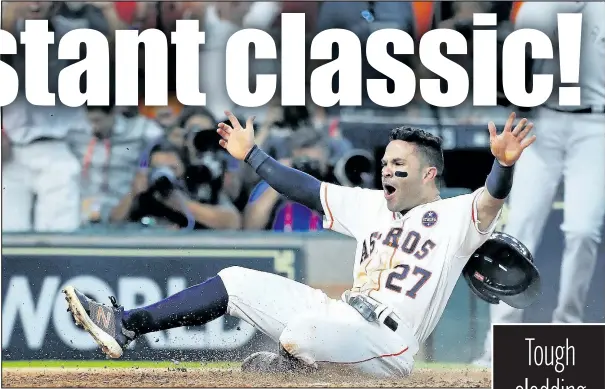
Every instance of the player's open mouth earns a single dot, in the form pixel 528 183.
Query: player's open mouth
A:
pixel 389 191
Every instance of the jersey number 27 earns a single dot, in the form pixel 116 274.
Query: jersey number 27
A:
pixel 418 271
pixel 409 246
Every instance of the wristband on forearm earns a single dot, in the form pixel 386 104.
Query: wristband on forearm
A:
pixel 255 157
pixel 500 180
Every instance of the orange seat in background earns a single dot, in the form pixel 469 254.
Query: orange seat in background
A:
pixel 513 12
pixel 424 11
pixel 423 16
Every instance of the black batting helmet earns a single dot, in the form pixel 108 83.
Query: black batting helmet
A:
pixel 503 269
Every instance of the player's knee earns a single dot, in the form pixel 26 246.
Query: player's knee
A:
pixel 583 235
pixel 233 276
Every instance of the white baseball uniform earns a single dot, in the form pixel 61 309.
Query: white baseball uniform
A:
pixel 568 145
pixel 46 171
pixel 409 263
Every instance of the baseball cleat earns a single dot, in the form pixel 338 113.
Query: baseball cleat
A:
pixel 261 362
pixel 268 362
pixel 102 322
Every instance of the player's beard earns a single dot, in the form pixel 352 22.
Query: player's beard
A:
pixel 392 205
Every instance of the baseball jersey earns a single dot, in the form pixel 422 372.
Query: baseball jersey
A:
pixel 410 262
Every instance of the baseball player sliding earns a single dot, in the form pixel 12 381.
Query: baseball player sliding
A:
pixel 411 248
pixel 571 145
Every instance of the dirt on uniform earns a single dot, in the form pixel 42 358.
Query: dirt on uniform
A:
pixel 175 377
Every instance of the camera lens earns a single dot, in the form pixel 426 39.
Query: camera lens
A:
pixel 162 180
pixel 204 139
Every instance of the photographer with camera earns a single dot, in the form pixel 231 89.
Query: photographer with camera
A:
pixel 161 194
pixel 280 123
pixel 210 170
pixel 310 153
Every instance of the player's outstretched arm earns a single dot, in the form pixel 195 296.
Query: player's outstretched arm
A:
pixel 292 183
pixel 506 148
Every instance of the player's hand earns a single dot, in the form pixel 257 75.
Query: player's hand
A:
pixel 508 146
pixel 175 200
pixel 238 141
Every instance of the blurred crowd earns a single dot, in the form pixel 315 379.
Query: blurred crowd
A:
pixel 66 169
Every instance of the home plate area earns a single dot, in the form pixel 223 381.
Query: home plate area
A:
pixel 153 374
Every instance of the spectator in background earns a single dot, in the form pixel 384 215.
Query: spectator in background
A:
pixel 167 116
pixel 338 145
pixel 136 15
pixel 309 8
pixel 42 165
pixel 107 8
pixel 221 20
pixel 110 154
pixel 458 15
pixel 161 196
pixel 139 16
pixel 70 15
pixel 279 125
pixel 268 210
pixel 281 122
pixel 196 136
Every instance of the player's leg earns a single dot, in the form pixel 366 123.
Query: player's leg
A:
pixel 57 185
pixel 537 176
pixel 342 337
pixel 17 193
pixel 583 215
pixel 264 300
pixel 268 301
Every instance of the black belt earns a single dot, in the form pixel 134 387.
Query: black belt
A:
pixel 368 311
pixel 44 139
pixel 595 109
pixel 36 140
pixel 391 323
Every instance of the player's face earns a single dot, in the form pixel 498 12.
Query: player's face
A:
pixel 401 193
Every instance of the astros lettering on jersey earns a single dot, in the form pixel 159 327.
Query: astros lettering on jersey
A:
pixel 412 261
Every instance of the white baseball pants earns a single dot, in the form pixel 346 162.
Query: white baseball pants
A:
pixel 572 147
pixel 50 171
pixel 315 328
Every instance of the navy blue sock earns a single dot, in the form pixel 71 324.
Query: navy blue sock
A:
pixel 195 305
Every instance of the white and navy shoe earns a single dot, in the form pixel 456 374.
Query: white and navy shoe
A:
pixel 102 322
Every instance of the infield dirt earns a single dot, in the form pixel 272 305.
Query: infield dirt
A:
pixel 183 377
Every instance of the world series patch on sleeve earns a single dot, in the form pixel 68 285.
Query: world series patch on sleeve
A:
pixel 549 356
